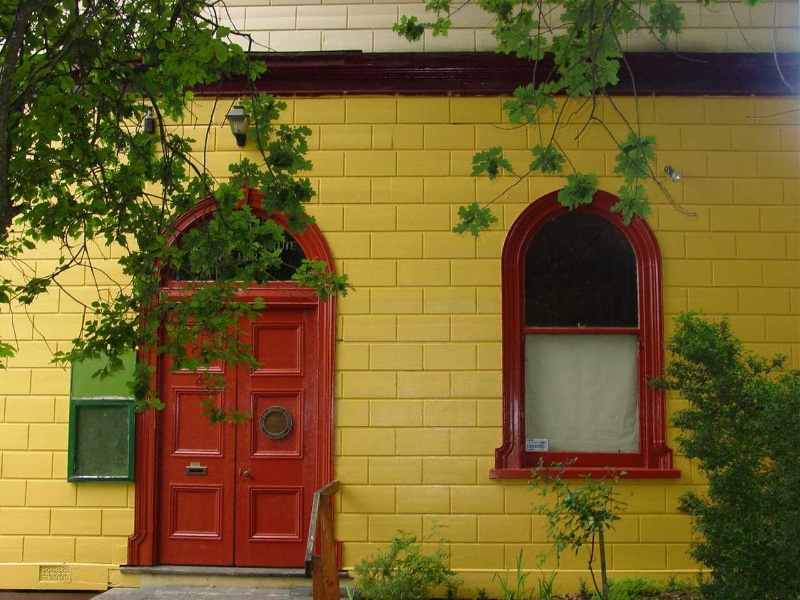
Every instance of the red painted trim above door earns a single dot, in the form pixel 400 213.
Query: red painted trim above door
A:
pixel 142 544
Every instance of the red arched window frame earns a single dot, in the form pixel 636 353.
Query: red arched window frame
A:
pixel 654 458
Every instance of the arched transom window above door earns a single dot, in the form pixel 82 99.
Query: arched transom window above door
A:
pixel 275 256
pixel 582 337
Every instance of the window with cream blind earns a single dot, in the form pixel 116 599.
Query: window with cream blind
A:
pixel 582 336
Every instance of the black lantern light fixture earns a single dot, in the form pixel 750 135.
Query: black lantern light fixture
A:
pixel 149 123
pixel 239 122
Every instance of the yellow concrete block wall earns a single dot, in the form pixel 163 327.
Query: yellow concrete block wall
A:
pixel 53 534
pixel 418 372
pixel 365 25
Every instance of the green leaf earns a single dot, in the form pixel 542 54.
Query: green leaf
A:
pixel 6 351
pixel 521 108
pixel 409 28
pixel 441 26
pixel 634 156
pixel 579 190
pixel 474 218
pixel 490 162
pixel 548 160
pixel 516 36
pixel 633 202
pixel 315 274
pixel 529 100
pixel 666 17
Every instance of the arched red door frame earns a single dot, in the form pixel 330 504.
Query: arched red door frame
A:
pixel 142 544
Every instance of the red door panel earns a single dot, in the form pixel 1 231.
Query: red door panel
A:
pixel 292 401
pixel 233 494
pixel 275 514
pixel 275 500
pixel 196 511
pixel 196 492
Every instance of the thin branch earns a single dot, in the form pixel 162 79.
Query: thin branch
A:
pixel 739 25
pixel 777 114
pixel 775 44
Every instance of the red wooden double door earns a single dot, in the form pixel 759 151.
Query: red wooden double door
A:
pixel 241 494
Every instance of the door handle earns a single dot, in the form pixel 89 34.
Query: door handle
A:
pixel 246 473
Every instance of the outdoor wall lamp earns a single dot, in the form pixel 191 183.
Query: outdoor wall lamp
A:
pixel 149 123
pixel 239 122
pixel 676 176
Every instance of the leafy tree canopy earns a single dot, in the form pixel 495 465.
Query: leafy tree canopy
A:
pixel 77 170
pixel 584 40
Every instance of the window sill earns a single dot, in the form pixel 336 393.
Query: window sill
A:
pixel 578 472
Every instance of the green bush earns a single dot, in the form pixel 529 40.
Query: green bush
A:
pixel 405 573
pixel 742 426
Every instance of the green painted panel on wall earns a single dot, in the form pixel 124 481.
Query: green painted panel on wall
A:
pixel 85 385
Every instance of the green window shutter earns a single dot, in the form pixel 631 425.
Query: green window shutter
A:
pixel 101 423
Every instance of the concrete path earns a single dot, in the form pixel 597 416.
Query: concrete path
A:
pixel 206 593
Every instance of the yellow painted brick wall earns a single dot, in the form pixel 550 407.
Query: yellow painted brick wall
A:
pixel 418 381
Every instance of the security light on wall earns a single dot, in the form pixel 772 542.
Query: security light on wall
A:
pixel 673 174
pixel 239 122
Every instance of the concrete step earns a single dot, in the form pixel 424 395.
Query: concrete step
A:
pixel 208 583
pixel 206 593
pixel 240 577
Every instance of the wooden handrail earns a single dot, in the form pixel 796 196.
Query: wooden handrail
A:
pixel 322 567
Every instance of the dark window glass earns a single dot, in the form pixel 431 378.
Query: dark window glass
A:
pixel 291 256
pixel 226 267
pixel 580 271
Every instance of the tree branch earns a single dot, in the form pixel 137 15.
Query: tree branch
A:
pixel 11 55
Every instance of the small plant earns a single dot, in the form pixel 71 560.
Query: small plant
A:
pixel 579 517
pixel 626 589
pixel 481 594
pixel 546 586
pixel 515 589
pixel 637 588
pixel 405 573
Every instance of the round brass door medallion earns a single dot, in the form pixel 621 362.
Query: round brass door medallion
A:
pixel 276 422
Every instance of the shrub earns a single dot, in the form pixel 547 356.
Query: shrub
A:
pixel 742 426
pixel 405 573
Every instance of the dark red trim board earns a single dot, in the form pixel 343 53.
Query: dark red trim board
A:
pixel 486 74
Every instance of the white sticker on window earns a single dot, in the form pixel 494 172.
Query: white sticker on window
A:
pixel 536 445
